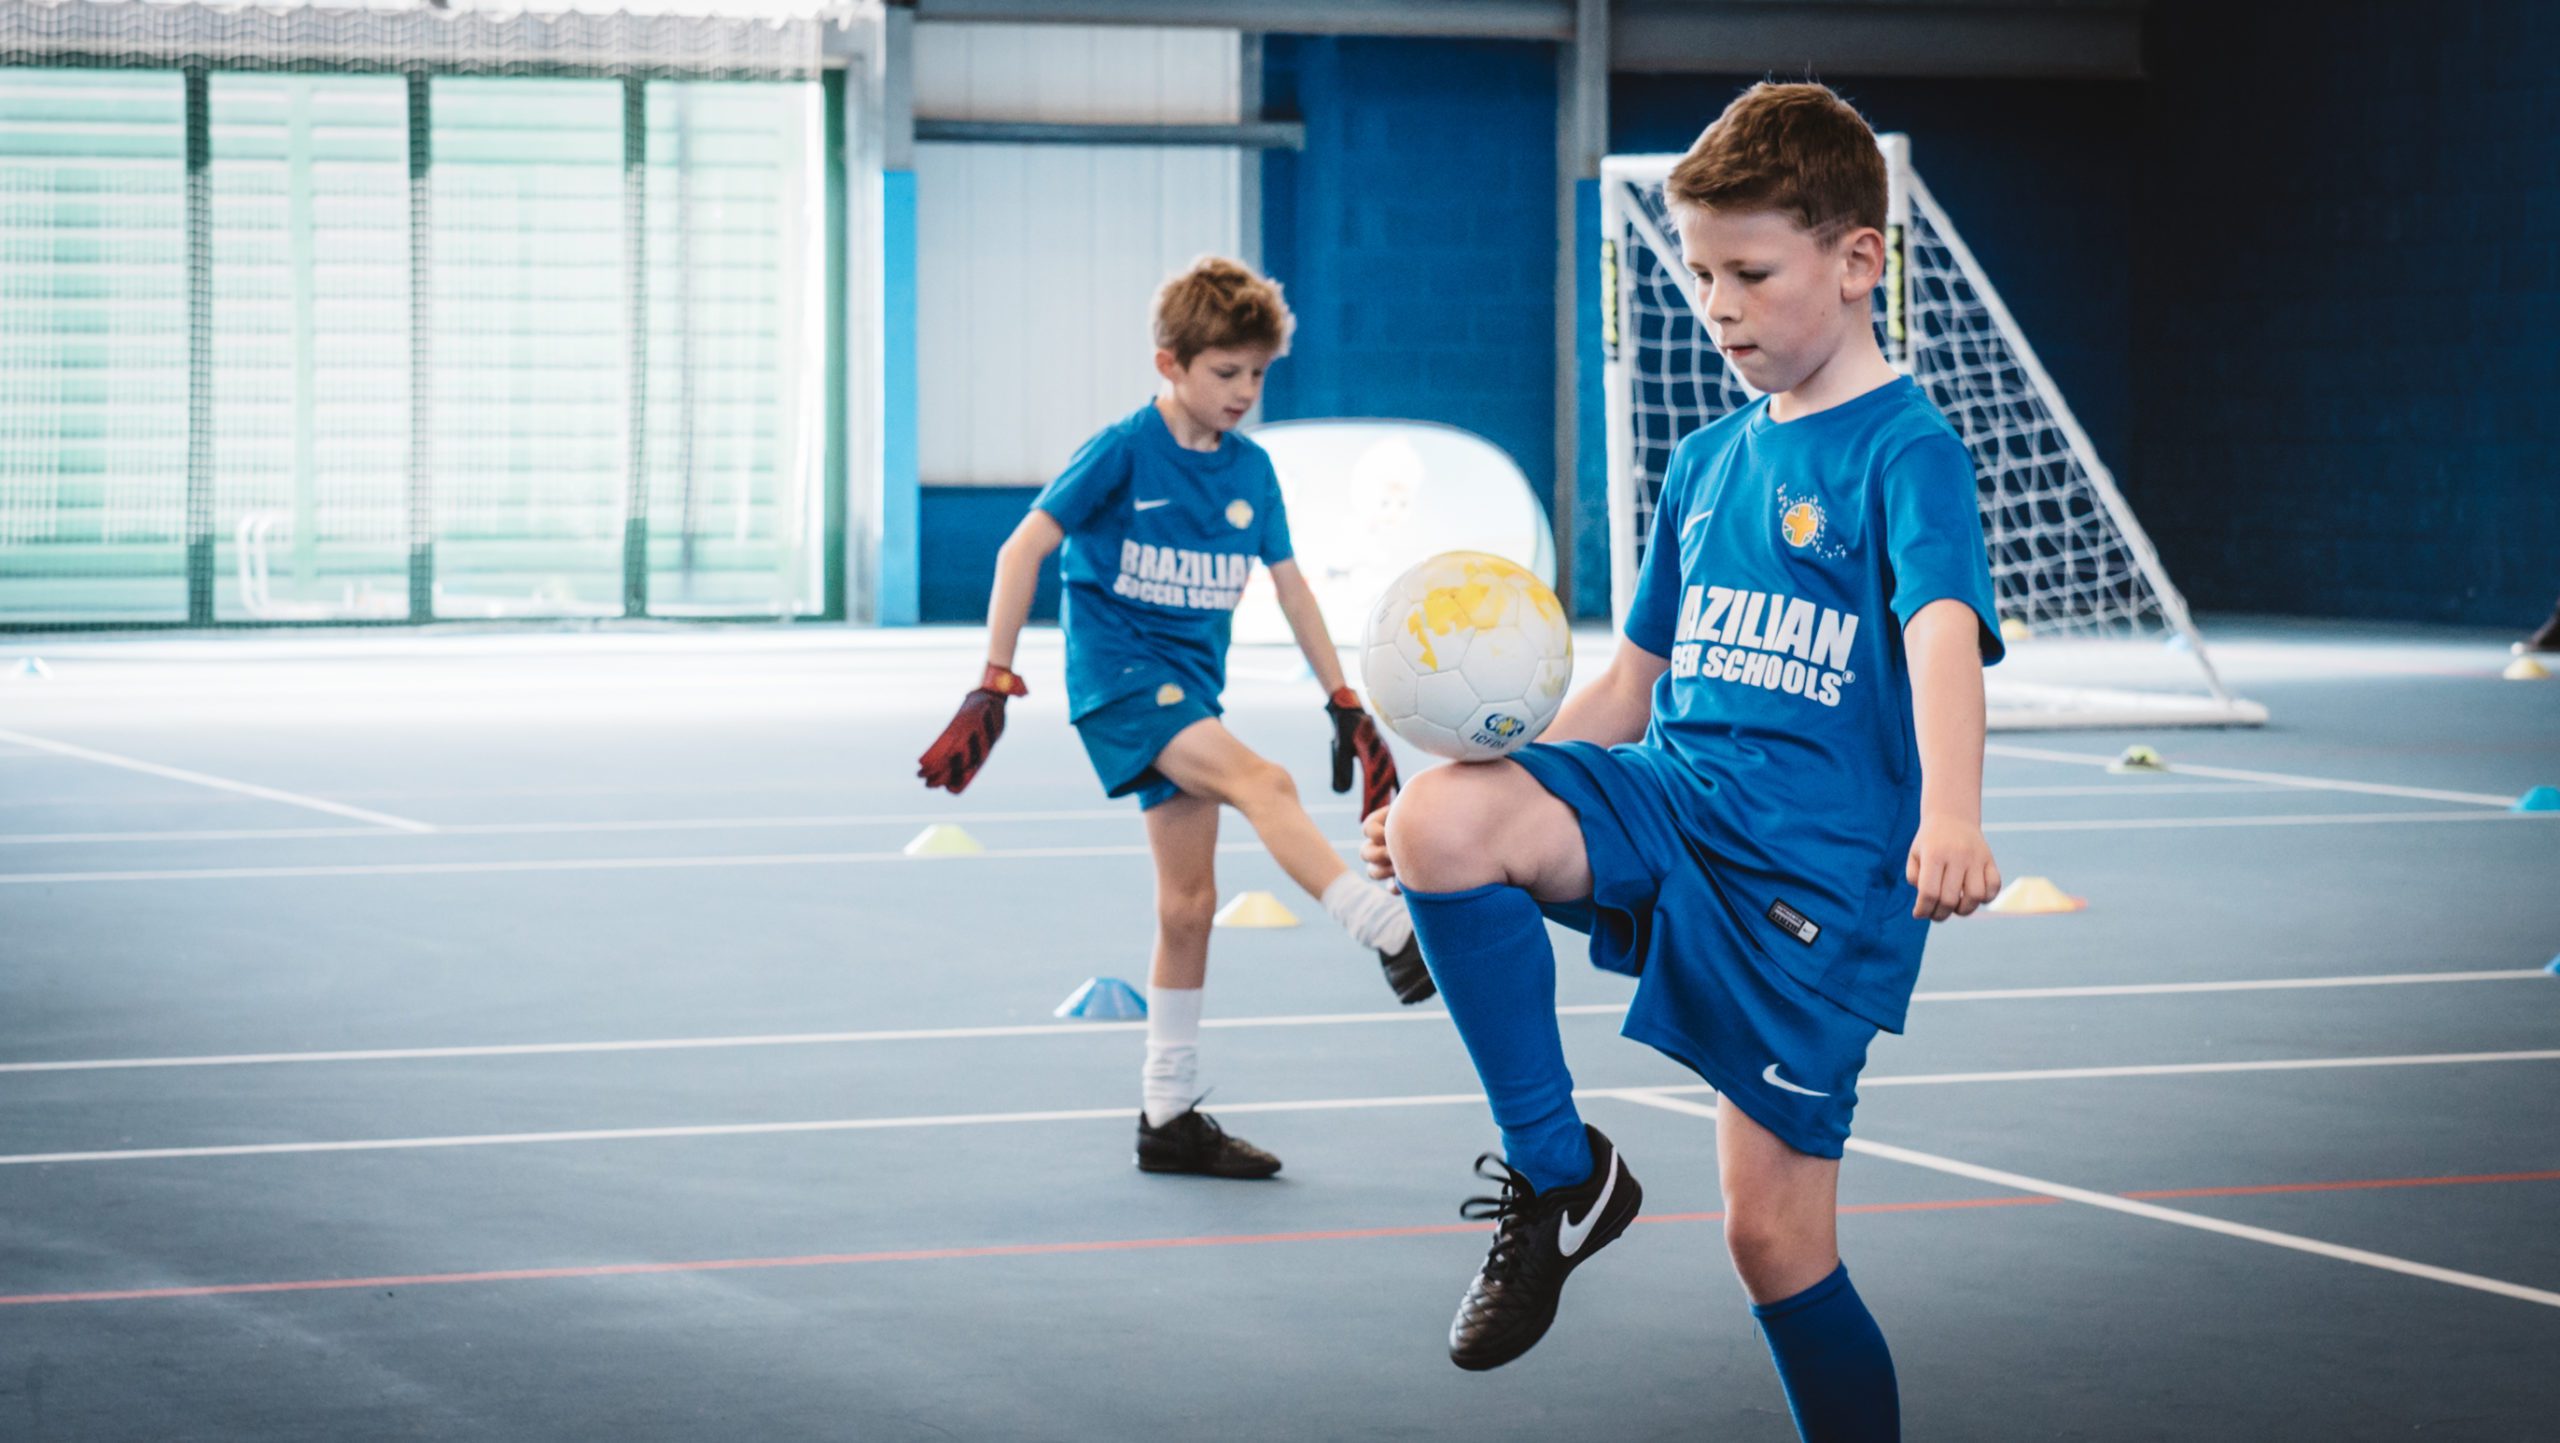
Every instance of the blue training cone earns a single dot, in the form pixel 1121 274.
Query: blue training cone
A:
pixel 2540 799
pixel 2552 966
pixel 1103 999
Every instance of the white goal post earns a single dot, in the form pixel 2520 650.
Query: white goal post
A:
pixel 2099 636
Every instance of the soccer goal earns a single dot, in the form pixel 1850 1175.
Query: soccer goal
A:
pixel 2098 635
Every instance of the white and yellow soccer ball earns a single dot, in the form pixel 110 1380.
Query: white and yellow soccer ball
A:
pixel 1467 656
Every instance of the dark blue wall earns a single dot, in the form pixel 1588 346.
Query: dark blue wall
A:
pixel 2299 285
pixel 2034 174
pixel 2349 289
pixel 1416 234
pixel 963 526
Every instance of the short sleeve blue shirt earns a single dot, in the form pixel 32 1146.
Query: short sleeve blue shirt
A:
pixel 1159 543
pixel 1785 560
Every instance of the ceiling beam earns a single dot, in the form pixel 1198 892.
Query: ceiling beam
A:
pixel 1960 39
pixel 1843 37
pixel 1490 19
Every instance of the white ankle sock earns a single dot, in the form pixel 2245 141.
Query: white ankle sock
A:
pixel 1374 916
pixel 1171 1078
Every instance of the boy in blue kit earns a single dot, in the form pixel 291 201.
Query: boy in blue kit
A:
pixel 1764 800
pixel 1163 515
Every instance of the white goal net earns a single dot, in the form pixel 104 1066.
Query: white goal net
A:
pixel 2098 636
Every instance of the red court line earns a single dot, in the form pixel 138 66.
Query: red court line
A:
pixel 1131 1245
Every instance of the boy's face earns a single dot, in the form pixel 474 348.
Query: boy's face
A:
pixel 1779 302
pixel 1219 386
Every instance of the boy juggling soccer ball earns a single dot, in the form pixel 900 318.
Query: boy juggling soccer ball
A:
pixel 1163 515
pixel 1766 797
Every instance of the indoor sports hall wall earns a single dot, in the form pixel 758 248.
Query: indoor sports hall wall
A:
pixel 1416 234
pixel 2349 280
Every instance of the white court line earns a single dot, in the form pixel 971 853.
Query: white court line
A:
pixel 225 784
pixel 662 824
pixel 595 864
pixel 2156 1213
pixel 1091 1114
pixel 2279 779
pixel 844 819
pixel 2206 1069
pixel 2275 819
pixel 724 824
pixel 1098 1029
pixel 999 854
pixel 2133 789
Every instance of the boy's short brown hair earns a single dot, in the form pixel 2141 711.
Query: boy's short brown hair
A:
pixel 1219 302
pixel 1798 149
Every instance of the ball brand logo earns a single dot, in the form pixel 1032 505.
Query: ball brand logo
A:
pixel 1240 514
pixel 1499 727
pixel 1802 523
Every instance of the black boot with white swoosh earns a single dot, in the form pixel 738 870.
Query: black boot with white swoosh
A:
pixel 1538 1239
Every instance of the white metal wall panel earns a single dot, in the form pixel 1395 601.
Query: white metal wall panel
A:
pixel 1068 73
pixel 1036 263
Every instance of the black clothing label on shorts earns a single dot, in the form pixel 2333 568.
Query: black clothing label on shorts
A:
pixel 1794 923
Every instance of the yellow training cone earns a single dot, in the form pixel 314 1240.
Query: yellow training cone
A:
pixel 2034 897
pixel 2525 668
pixel 1254 909
pixel 2012 629
pixel 2138 759
pixel 943 840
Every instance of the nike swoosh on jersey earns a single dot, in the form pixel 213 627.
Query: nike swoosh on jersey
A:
pixel 1770 1076
pixel 1692 523
pixel 1571 1235
pixel 1152 505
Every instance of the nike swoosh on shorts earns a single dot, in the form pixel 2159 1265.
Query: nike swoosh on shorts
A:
pixel 1770 1076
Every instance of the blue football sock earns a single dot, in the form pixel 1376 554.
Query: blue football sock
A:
pixel 1833 1363
pixel 1488 949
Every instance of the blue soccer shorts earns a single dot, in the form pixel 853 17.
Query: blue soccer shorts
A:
pixel 1124 738
pixel 1707 993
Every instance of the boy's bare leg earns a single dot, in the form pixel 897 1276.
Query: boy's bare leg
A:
pixel 1183 835
pixel 1781 1208
pixel 1207 761
pixel 1463 826
pixel 1782 1227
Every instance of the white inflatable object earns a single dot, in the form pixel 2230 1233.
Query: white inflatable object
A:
pixel 1369 499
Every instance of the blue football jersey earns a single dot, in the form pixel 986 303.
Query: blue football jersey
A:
pixel 1785 560
pixel 1160 541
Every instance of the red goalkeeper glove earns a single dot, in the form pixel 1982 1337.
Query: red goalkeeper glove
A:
pixel 1356 739
pixel 956 755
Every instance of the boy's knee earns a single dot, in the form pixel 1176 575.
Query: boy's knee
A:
pixel 1185 911
pixel 1775 1256
pixel 1264 783
pixel 1435 834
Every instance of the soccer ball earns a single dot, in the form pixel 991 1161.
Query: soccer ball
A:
pixel 1467 656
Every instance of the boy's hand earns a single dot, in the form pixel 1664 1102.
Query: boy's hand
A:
pixel 1356 739
pixel 1951 865
pixel 956 755
pixel 1373 846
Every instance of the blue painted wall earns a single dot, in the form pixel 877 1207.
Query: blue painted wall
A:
pixel 2349 286
pixel 963 526
pixel 2306 323
pixel 2034 176
pixel 1416 234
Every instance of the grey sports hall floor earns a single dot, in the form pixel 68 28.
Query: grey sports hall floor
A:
pixel 541 1036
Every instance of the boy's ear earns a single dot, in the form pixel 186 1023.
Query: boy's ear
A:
pixel 1862 262
pixel 1167 366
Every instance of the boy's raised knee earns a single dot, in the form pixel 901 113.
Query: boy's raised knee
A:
pixel 1437 830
